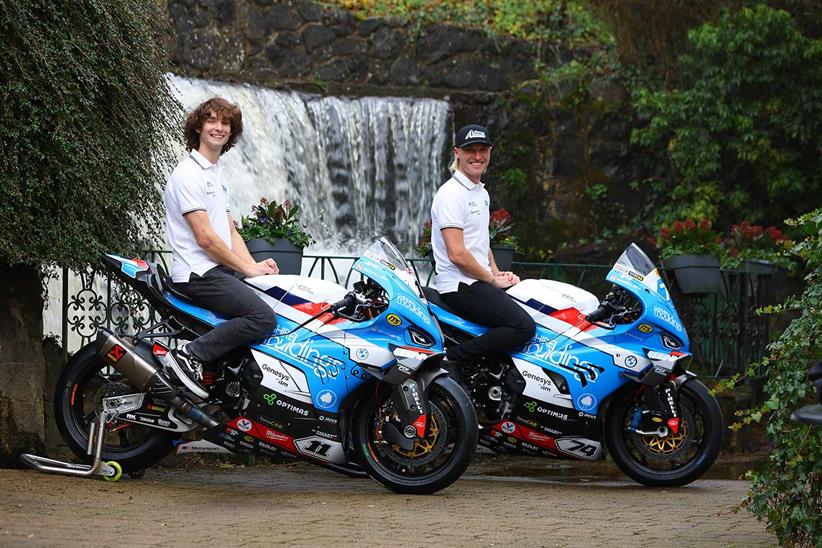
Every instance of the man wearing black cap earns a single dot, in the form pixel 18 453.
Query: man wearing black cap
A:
pixel 467 276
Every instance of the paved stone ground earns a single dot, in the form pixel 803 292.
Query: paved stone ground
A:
pixel 499 502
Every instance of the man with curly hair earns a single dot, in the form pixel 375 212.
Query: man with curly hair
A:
pixel 209 255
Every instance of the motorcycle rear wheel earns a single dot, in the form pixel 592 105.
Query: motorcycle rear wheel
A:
pixel 77 402
pixel 677 459
pixel 436 461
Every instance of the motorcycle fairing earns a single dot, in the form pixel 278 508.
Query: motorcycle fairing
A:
pixel 635 272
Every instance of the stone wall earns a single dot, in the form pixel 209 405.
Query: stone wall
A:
pixel 303 44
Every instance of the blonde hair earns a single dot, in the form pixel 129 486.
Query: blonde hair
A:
pixel 455 164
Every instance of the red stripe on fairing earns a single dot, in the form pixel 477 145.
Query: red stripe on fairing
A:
pixel 315 308
pixel 264 433
pixel 573 317
pixel 530 435
pixel 415 349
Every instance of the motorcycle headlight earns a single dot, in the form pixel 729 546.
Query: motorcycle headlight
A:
pixel 671 342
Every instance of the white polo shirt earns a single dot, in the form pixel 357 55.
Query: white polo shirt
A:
pixel 459 203
pixel 195 184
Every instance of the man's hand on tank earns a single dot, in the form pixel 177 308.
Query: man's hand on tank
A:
pixel 273 265
pixel 502 281
pixel 261 269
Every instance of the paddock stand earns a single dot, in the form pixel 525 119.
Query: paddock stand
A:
pixel 111 470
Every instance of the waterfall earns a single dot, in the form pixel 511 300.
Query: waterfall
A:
pixel 359 168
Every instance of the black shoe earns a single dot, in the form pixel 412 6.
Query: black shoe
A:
pixel 189 369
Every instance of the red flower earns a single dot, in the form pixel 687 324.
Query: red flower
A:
pixel 690 224
pixel 705 224
pixel 677 226
pixel 500 216
pixel 666 233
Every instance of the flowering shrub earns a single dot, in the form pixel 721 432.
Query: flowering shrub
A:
pixel 688 238
pixel 499 232
pixel 271 221
pixel 499 229
pixel 748 241
pixel 424 245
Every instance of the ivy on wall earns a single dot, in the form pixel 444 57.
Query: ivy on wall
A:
pixel 87 118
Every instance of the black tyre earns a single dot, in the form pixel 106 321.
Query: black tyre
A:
pixel 436 461
pixel 676 459
pixel 78 401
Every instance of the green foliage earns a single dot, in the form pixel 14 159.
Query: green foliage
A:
pixel 561 21
pixel 272 221
pixel 741 136
pixel 87 120
pixel 787 492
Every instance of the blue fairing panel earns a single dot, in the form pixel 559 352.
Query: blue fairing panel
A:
pixel 207 316
pixel 443 316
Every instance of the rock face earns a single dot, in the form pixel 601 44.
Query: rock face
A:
pixel 298 42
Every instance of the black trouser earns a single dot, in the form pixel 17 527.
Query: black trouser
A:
pixel 490 306
pixel 220 291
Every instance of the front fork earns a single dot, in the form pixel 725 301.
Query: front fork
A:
pixel 661 413
pixel 409 395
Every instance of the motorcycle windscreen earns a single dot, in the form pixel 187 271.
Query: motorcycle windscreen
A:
pixel 389 257
pixel 635 272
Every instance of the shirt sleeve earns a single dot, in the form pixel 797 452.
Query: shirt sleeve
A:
pixel 449 211
pixel 189 194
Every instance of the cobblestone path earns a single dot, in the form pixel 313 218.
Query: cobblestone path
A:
pixel 495 504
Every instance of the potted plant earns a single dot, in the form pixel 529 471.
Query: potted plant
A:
pixel 273 231
pixel 756 250
pixel 692 250
pixel 503 242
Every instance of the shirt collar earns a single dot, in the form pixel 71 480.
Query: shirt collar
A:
pixel 463 179
pixel 200 159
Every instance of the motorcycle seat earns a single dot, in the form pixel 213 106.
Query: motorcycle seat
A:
pixel 434 297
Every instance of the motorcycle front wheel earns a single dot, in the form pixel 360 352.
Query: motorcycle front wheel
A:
pixel 436 461
pixel 676 459
pixel 83 384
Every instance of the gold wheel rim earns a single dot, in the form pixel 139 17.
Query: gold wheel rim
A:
pixel 669 443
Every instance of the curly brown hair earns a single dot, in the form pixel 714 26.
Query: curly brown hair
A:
pixel 220 107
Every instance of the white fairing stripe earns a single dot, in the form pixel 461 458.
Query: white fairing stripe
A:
pixel 540 386
pixel 282 378
pixel 619 355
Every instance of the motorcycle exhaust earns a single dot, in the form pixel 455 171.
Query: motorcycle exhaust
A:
pixel 145 376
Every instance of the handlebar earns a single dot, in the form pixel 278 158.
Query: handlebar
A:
pixel 349 300
pixel 605 310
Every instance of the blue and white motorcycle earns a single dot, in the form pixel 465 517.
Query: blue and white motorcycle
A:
pixel 597 376
pixel 354 386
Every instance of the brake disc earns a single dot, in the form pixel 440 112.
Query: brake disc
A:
pixel 424 450
pixel 672 446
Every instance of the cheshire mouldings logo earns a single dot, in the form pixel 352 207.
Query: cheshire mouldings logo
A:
pixel 666 316
pixel 414 307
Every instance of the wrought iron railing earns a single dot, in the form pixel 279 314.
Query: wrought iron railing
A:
pixel 726 333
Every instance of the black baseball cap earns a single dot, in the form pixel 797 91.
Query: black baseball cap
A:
pixel 468 135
